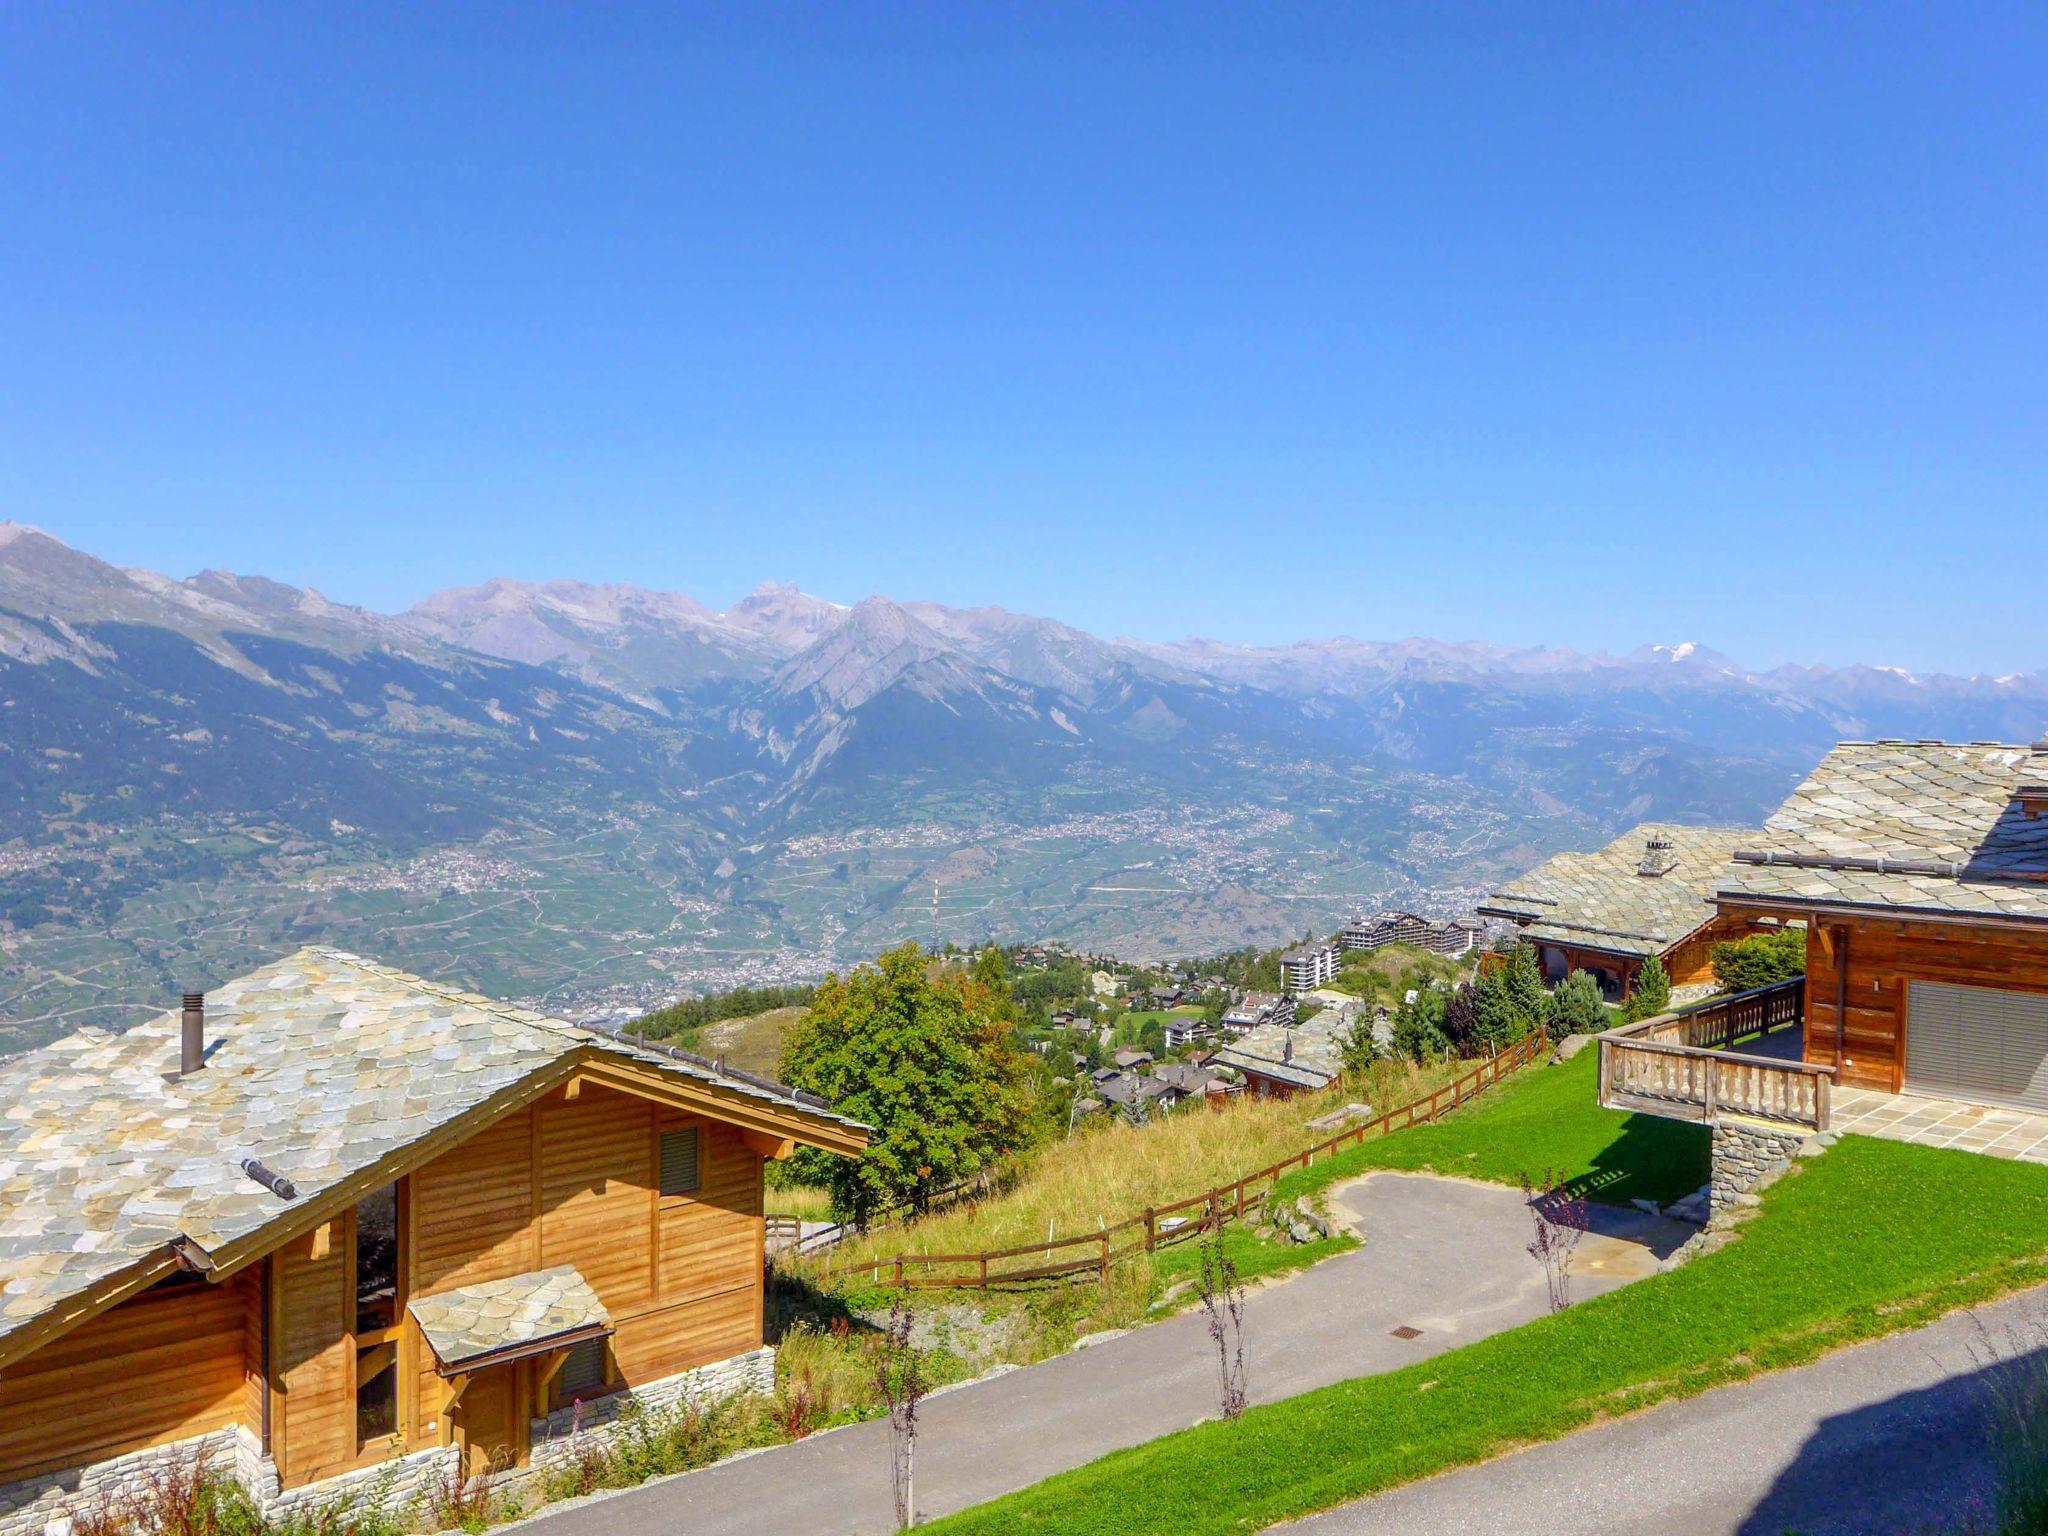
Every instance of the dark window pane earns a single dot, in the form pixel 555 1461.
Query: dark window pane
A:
pixel 376 1393
pixel 377 1259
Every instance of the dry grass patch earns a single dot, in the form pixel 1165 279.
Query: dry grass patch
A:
pixel 1110 1171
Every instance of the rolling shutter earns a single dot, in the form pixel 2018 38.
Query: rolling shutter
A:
pixel 582 1373
pixel 678 1162
pixel 1977 1043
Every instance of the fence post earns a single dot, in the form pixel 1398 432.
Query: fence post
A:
pixel 1103 1238
pixel 984 1270
pixel 1151 1234
pixel 899 1271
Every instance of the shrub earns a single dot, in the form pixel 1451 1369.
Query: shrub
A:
pixel 1760 959
pixel 1575 1007
pixel 1652 994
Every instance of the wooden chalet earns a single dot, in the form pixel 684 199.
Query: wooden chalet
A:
pixel 342 1229
pixel 1649 892
pixel 1920 872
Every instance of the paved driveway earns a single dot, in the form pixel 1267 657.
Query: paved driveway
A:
pixel 1883 1439
pixel 1442 1256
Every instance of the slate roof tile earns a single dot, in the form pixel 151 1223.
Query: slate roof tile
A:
pixel 1908 801
pixel 1601 900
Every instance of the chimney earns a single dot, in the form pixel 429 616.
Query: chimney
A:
pixel 192 1035
pixel 1658 859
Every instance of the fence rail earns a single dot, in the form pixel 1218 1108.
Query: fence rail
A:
pixel 1676 1066
pixel 1157 1226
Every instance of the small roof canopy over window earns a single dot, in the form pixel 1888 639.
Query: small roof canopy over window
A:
pixel 473 1326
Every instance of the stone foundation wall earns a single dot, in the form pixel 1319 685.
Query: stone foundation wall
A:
pixel 552 1437
pixel 1745 1154
pixel 390 1485
pixel 28 1506
pixel 41 1506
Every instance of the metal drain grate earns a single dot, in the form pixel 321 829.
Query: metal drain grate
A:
pixel 1405 1332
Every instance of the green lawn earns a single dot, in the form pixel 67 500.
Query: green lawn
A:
pixel 1540 1119
pixel 1873 1238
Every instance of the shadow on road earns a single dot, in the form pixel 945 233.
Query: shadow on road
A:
pixel 1920 1463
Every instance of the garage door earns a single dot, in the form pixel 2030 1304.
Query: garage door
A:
pixel 1977 1043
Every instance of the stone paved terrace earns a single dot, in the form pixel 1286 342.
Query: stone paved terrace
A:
pixel 1941 1123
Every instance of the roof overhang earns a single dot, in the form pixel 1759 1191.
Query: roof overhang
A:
pixel 1805 908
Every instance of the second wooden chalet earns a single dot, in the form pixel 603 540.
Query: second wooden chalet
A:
pixel 348 1232
pixel 1649 892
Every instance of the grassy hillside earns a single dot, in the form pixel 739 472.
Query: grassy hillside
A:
pixel 1109 1170
pixel 752 1044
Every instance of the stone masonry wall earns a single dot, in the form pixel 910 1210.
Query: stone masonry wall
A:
pixel 1745 1153
pixel 552 1437
pixel 41 1506
pixel 28 1506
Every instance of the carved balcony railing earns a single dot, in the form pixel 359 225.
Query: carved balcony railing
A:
pixel 1678 1065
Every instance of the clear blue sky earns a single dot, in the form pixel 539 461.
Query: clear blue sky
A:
pixel 1588 325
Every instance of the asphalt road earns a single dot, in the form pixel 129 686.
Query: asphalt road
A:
pixel 1886 1439
pixel 1443 1256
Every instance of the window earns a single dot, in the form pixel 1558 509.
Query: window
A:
pixel 679 1162
pixel 582 1373
pixel 377 1259
pixel 376 1332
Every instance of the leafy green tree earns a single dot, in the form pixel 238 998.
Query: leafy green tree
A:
pixel 990 970
pixel 1760 959
pixel 1576 1008
pixel 1357 1045
pixel 1496 1020
pixel 1652 994
pixel 924 1059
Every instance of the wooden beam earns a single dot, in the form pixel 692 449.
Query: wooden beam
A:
pixel 774 1148
pixel 457 1385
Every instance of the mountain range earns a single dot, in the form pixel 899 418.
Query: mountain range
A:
pixel 597 795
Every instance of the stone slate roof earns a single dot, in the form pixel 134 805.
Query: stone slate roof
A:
pixel 520 1315
pixel 317 1066
pixel 1308 1054
pixel 1601 900
pixel 1946 811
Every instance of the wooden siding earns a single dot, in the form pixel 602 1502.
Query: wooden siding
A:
pixel 472 1210
pixel 164 1365
pixel 597 1192
pixel 313 1412
pixel 1882 956
pixel 573 1181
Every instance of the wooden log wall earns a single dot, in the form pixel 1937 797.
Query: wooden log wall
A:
pixel 165 1365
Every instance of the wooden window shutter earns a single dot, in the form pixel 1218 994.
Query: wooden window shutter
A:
pixel 582 1373
pixel 679 1162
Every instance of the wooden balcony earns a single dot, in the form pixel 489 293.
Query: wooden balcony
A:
pixel 1680 1065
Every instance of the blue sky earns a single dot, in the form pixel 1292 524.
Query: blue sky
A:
pixel 1546 323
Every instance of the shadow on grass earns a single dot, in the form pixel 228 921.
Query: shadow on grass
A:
pixel 1650 1159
